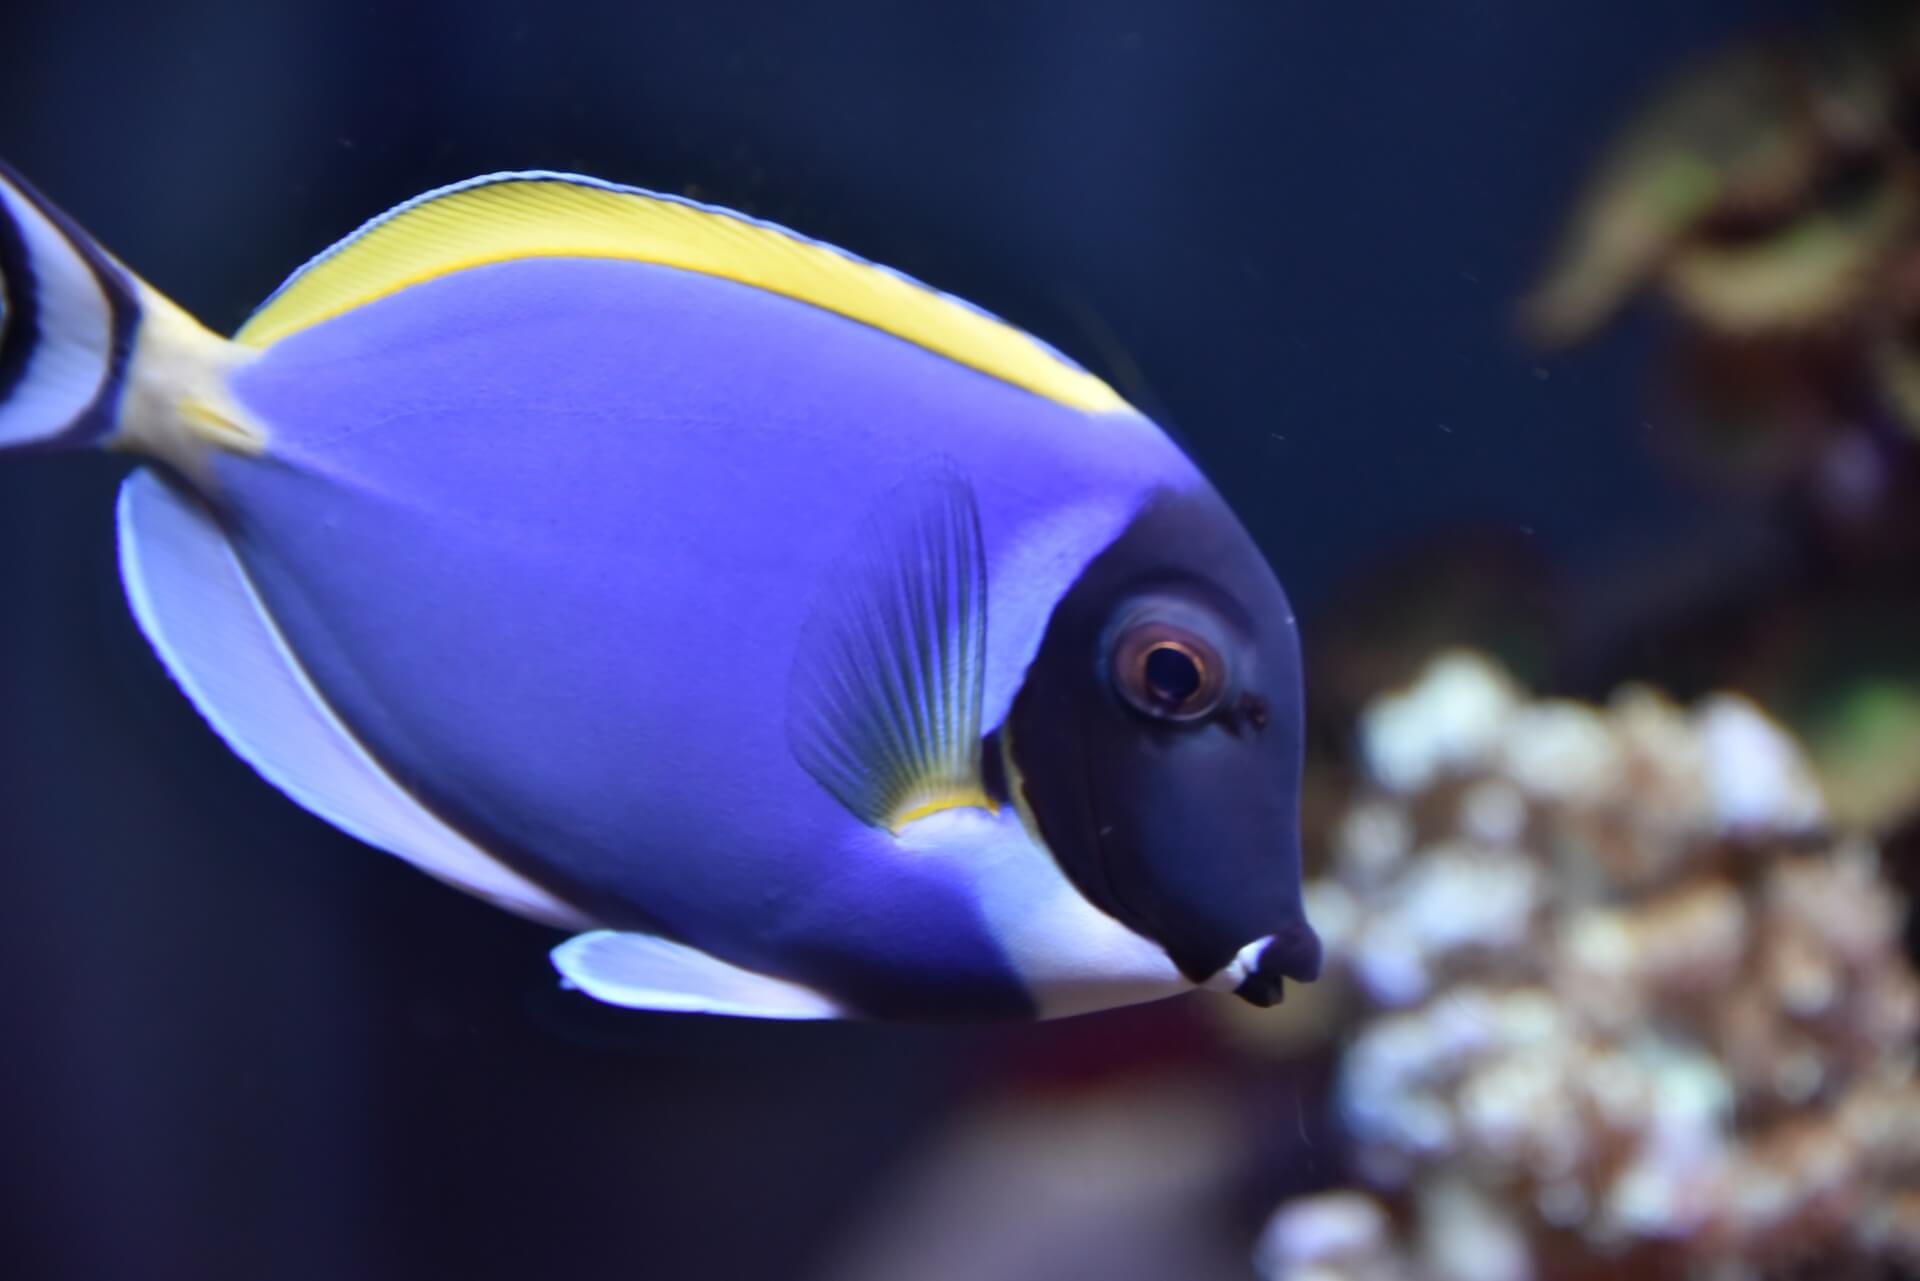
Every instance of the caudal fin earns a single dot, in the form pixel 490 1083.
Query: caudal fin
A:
pixel 90 354
pixel 67 330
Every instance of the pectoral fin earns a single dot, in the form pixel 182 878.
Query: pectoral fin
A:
pixel 884 703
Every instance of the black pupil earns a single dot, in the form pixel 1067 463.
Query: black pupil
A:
pixel 1172 674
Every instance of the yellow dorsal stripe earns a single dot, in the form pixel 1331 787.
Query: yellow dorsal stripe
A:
pixel 514 216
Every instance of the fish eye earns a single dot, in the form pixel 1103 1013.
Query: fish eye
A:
pixel 1168 671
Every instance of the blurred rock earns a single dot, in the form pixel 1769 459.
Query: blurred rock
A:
pixel 1343 1236
pixel 1614 992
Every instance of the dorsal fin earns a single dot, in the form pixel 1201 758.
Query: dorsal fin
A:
pixel 543 215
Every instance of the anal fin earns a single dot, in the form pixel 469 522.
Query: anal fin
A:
pixel 196 605
pixel 646 972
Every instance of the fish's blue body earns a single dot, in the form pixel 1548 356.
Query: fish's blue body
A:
pixel 812 643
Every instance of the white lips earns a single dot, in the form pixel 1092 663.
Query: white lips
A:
pixel 1244 962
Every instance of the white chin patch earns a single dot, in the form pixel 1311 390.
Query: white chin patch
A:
pixel 1244 962
pixel 1072 957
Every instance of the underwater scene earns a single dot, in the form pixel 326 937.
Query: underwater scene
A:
pixel 967 642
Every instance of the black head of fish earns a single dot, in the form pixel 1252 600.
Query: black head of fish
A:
pixel 1156 743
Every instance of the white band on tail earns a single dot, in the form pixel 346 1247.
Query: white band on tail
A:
pixel 61 313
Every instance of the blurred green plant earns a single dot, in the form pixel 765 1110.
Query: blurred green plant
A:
pixel 1770 197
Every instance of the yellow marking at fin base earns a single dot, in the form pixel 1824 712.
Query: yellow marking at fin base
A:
pixel 970 800
pixel 178 405
pixel 516 216
pixel 220 425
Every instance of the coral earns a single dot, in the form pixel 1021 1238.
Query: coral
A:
pixel 1342 1236
pixel 1618 994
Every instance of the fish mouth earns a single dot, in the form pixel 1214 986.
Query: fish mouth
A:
pixel 1259 971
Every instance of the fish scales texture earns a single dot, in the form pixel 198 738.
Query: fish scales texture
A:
pixel 545 532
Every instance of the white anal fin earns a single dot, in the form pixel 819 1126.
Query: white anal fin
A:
pixel 198 608
pixel 645 972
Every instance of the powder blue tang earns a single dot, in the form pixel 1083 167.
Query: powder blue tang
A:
pixel 807 642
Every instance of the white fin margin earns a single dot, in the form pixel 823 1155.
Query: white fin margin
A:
pixel 73 329
pixel 198 608
pixel 646 972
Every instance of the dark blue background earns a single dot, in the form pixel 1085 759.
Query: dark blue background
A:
pixel 235 1044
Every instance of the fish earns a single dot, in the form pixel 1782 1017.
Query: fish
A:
pixel 803 641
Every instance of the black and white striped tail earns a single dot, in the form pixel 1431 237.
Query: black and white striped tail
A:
pixel 67 328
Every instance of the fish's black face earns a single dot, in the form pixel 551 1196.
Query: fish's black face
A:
pixel 1156 745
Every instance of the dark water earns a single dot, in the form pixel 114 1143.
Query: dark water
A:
pixel 238 1045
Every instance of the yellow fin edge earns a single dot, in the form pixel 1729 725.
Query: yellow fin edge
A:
pixel 515 216
pixel 922 807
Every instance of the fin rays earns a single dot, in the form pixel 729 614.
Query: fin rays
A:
pixel 511 216
pixel 885 703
